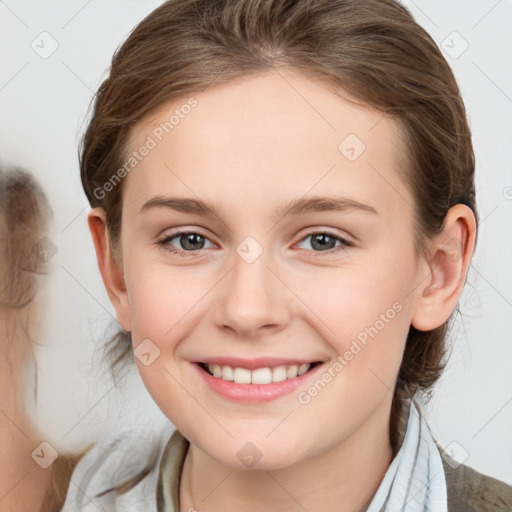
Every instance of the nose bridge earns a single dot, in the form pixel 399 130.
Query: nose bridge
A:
pixel 252 297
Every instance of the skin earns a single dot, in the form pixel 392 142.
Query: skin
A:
pixel 24 483
pixel 250 157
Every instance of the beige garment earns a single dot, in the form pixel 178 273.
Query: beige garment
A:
pixel 468 490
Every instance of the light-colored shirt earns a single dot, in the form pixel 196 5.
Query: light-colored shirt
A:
pixel 139 470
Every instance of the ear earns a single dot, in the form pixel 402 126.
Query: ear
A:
pixel 448 263
pixel 111 271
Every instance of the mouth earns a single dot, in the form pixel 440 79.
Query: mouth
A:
pixel 264 375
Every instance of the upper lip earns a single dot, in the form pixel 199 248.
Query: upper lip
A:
pixel 258 362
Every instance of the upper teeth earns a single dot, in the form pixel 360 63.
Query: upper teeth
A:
pixel 259 375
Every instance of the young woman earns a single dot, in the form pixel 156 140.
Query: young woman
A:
pixel 28 481
pixel 283 211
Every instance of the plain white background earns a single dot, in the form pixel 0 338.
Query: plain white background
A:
pixel 44 99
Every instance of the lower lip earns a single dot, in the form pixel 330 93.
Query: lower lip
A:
pixel 254 393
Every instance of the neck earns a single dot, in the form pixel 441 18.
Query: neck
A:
pixel 343 478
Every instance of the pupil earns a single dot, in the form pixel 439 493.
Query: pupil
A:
pixel 189 241
pixel 324 241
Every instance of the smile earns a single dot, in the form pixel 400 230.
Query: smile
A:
pixel 267 379
pixel 265 375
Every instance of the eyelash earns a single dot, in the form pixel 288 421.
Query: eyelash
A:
pixel 164 243
pixel 319 254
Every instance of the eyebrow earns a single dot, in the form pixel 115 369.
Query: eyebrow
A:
pixel 296 206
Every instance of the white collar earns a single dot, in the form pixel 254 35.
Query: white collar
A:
pixel 415 480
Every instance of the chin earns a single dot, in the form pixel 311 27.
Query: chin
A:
pixel 267 456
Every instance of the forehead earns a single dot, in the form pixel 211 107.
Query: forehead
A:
pixel 274 131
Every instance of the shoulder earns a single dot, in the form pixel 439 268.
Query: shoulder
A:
pixel 120 472
pixel 471 491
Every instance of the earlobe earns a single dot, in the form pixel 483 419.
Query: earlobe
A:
pixel 450 256
pixel 110 270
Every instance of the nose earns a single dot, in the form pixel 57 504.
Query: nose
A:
pixel 252 299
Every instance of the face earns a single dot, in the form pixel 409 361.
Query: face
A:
pixel 304 260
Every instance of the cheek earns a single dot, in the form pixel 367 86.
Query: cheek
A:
pixel 364 313
pixel 155 307
pixel 163 300
pixel 348 301
pixel 381 317
pixel 163 306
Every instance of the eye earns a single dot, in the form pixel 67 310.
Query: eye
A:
pixel 325 242
pixel 187 241
pixel 190 242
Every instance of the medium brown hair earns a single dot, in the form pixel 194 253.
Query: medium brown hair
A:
pixel 372 49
